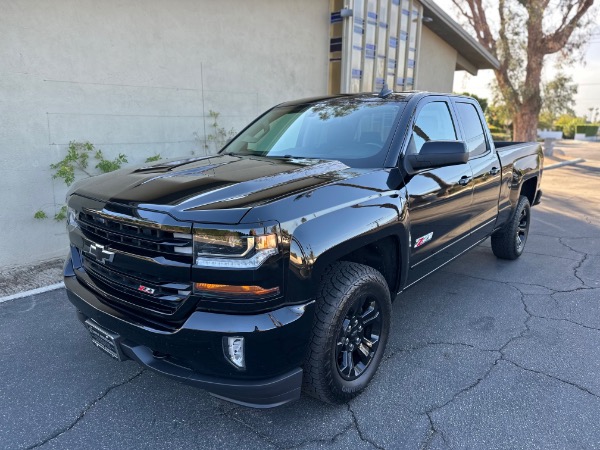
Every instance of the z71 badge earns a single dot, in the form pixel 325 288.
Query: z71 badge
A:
pixel 146 290
pixel 423 240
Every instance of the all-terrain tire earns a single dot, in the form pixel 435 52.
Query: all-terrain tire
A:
pixel 509 242
pixel 348 293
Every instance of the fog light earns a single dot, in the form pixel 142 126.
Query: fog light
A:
pixel 233 347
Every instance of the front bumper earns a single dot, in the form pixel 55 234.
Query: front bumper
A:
pixel 275 342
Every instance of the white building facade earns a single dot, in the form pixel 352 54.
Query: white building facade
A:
pixel 141 78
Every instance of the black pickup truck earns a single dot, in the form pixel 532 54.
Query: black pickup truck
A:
pixel 271 267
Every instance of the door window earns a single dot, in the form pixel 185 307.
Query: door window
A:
pixel 433 124
pixel 474 134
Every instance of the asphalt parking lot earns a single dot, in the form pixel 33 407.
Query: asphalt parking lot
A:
pixel 484 354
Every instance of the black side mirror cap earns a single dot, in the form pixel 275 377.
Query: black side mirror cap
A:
pixel 439 154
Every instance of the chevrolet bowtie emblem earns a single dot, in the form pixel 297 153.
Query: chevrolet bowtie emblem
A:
pixel 101 254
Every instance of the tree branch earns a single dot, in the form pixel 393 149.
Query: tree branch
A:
pixel 554 42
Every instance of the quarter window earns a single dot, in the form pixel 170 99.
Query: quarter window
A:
pixel 474 134
pixel 433 124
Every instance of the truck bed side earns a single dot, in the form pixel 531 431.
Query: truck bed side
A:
pixel 522 166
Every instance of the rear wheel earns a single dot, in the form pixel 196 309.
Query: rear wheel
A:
pixel 352 323
pixel 509 242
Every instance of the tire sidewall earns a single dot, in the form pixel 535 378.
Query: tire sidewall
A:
pixel 523 205
pixel 340 385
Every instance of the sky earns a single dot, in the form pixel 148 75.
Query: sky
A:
pixel 586 74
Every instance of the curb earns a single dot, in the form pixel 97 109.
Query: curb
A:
pixel 564 163
pixel 40 290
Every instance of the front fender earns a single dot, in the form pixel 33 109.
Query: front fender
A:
pixel 323 239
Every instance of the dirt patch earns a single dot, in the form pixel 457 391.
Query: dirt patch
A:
pixel 24 278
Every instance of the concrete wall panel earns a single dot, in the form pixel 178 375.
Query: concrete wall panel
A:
pixel 137 77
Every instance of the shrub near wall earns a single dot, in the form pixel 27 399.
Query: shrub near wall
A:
pixel 588 130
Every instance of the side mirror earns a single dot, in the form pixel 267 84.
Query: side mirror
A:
pixel 439 154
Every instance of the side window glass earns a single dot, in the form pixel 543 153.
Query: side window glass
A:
pixel 434 123
pixel 474 134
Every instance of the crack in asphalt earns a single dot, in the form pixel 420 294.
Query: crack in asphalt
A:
pixel 328 441
pixel 84 411
pixel 258 433
pixel 539 372
pixel 433 431
pixel 576 268
pixel 359 431
pixel 511 283
pixel 353 425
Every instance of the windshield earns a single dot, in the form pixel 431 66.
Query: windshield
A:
pixel 350 130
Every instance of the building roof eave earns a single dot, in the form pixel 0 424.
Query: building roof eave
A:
pixel 471 51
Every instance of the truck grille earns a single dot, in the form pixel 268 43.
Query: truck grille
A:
pixel 150 241
pixel 163 298
pixel 148 267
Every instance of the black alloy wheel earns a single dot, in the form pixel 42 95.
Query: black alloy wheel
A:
pixel 350 331
pixel 509 242
pixel 358 338
pixel 522 229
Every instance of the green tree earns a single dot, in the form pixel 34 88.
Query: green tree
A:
pixel 483 102
pixel 567 123
pixel 558 97
pixel 527 31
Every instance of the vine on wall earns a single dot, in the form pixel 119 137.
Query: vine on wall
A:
pixel 84 160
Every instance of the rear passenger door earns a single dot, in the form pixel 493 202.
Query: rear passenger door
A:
pixel 485 166
pixel 439 199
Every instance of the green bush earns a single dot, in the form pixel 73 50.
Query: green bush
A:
pixel 588 130
pixel 501 137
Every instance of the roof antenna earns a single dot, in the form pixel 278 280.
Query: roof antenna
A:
pixel 385 91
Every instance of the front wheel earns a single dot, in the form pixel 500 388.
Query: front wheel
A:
pixel 352 323
pixel 509 242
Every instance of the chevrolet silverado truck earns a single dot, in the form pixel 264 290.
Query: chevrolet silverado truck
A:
pixel 270 268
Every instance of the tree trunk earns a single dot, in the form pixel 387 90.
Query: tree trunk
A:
pixel 525 123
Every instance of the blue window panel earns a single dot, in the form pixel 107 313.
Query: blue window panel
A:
pixel 358 29
pixel 406 12
pixel 370 47
pixel 383 25
pixel 410 80
pixel 411 63
pixel 378 81
pixel 358 21
pixel 403 35
pixel 393 42
pixel 335 45
pixel 412 49
pixel 372 18
pixel 335 17
pixel 400 81
pixel 395 2
pixel 357 73
pixel 357 47
pixel 391 63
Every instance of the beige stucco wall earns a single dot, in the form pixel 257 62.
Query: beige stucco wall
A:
pixel 436 63
pixel 136 77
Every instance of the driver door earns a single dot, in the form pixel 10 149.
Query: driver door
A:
pixel 439 200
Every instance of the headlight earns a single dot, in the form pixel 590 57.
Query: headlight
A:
pixel 241 248
pixel 71 219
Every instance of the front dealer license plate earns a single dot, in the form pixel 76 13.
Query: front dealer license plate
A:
pixel 105 340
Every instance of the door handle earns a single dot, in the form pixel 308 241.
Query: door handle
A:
pixel 464 180
pixel 494 171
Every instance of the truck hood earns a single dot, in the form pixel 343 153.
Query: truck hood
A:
pixel 219 189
